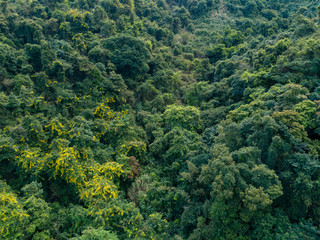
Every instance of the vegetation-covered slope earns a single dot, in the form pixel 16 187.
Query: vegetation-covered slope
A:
pixel 154 119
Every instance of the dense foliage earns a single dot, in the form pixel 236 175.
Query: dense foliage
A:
pixel 159 119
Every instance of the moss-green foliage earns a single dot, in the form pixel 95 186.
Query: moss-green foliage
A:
pixel 159 119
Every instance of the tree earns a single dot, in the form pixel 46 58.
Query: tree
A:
pixel 96 234
pixel 129 54
pixel 181 116
pixel 12 213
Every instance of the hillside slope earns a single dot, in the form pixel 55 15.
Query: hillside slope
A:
pixel 154 119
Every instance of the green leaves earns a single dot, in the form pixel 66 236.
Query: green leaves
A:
pixel 186 117
pixel 129 54
pixel 154 119
pixel 11 212
pixel 38 220
pixel 96 234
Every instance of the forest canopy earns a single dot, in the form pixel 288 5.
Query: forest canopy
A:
pixel 159 119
